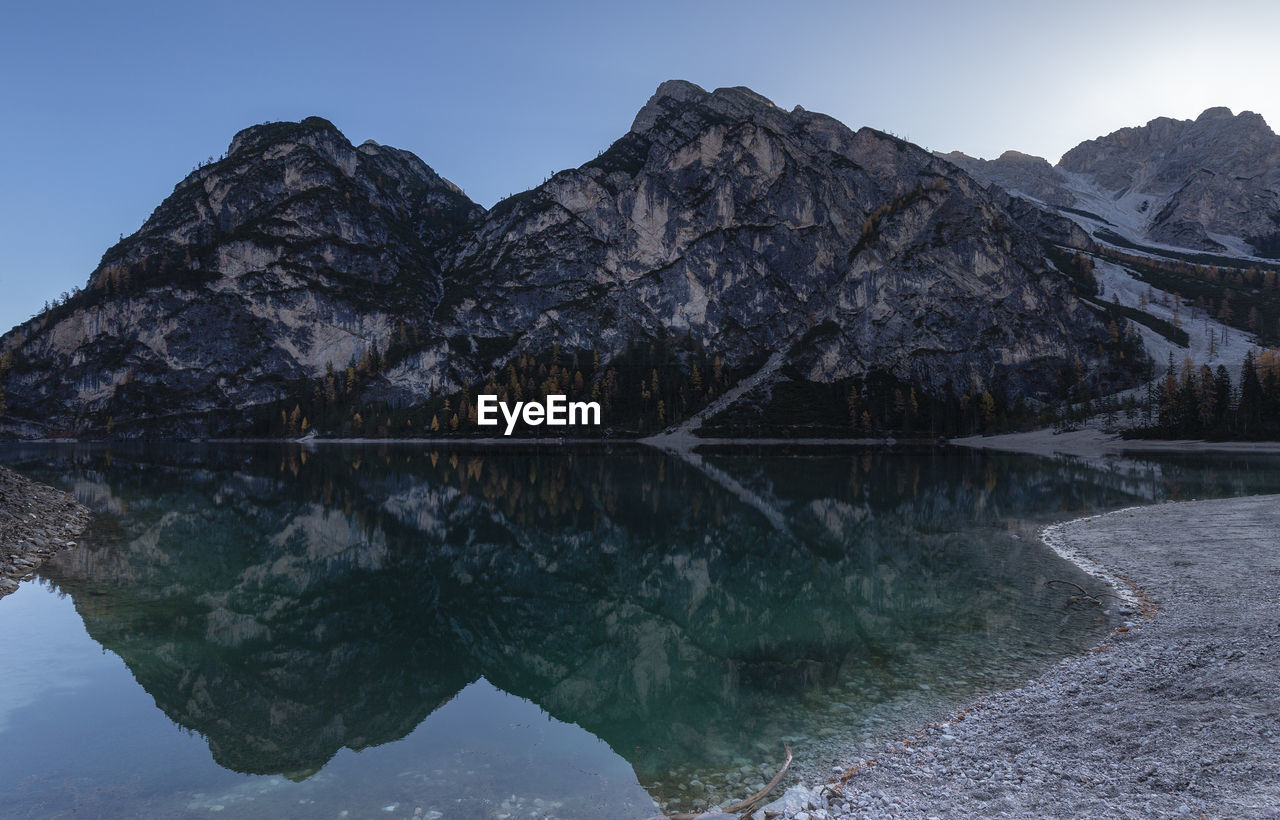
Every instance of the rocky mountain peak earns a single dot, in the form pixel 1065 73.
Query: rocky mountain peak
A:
pixel 1253 119
pixel 670 96
pixel 267 144
pixel 1220 112
pixel 1210 184
pixel 1216 132
pixel 1018 156
pixel 682 108
pixel 277 176
pixel 312 130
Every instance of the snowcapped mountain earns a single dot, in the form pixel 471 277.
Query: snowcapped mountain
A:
pixel 1208 184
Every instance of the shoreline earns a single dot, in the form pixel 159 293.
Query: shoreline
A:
pixel 1092 443
pixel 1085 443
pixel 1176 712
pixel 36 521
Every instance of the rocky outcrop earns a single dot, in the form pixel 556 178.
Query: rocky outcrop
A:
pixel 719 224
pixel 1212 183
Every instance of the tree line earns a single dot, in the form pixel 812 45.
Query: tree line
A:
pixel 641 391
pixel 1202 402
pixel 1247 298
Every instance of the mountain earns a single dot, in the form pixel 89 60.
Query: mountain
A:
pixel 1208 184
pixel 750 230
pixel 722 242
pixel 294 250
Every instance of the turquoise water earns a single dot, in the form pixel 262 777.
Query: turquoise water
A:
pixel 391 631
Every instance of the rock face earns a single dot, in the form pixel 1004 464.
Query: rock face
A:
pixel 294 251
pixel 719 222
pixel 1212 183
pixel 751 229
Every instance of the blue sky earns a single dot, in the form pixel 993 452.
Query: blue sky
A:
pixel 104 107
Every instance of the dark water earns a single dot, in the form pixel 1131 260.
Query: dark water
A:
pixel 268 631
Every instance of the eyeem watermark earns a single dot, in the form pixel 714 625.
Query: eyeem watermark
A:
pixel 558 411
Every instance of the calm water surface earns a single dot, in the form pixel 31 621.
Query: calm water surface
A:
pixel 391 631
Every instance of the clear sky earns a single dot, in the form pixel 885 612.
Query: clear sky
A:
pixel 104 107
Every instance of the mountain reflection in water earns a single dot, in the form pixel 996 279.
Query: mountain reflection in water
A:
pixel 693 613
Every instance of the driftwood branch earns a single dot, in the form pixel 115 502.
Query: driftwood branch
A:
pixel 747 805
pixel 1093 599
pixel 1082 590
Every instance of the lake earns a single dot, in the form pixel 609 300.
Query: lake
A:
pixel 528 631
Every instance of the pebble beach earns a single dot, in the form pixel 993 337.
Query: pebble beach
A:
pixel 35 522
pixel 1177 713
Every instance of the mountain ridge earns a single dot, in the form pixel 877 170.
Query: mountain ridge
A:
pixel 719 230
pixel 1207 184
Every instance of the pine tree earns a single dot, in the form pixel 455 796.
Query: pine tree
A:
pixel 1169 397
pixel 1250 411
pixel 1221 397
pixel 1269 367
pixel 1207 397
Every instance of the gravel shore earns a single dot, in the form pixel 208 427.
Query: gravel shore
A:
pixel 35 522
pixel 1177 713
pixel 1092 442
